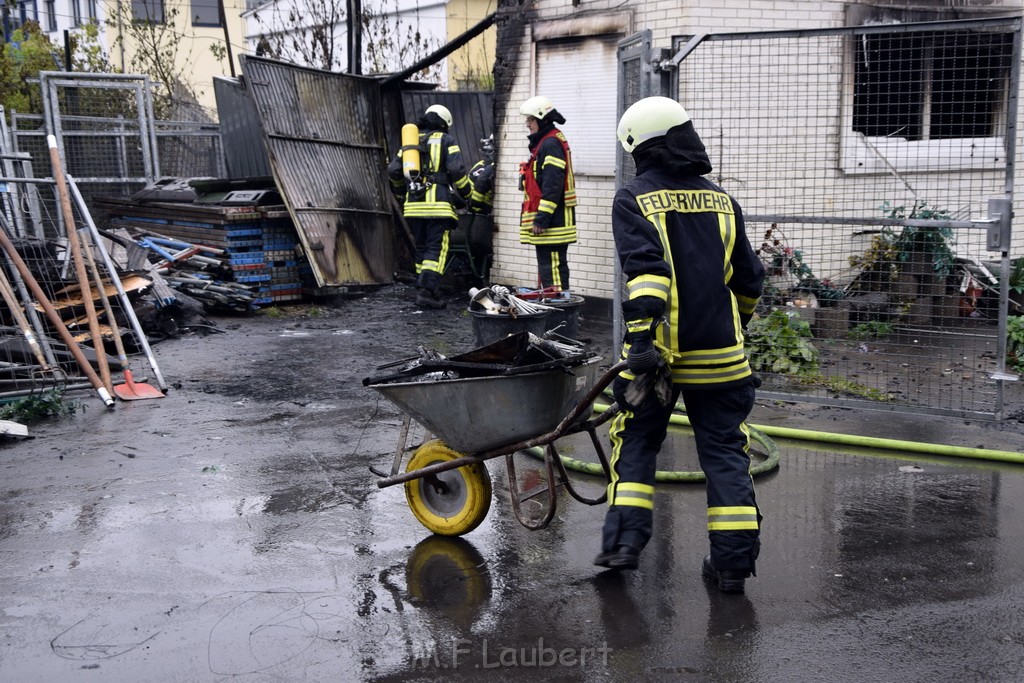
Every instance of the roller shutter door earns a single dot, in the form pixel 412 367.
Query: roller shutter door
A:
pixel 580 78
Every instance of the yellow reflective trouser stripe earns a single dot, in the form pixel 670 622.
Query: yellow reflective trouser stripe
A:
pixel 556 270
pixel 631 493
pixel 732 518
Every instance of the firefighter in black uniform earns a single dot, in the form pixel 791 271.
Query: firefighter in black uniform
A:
pixel 481 201
pixel 429 209
pixel 693 282
pixel 548 217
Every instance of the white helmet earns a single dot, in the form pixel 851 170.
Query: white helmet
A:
pixel 649 118
pixel 441 111
pixel 538 107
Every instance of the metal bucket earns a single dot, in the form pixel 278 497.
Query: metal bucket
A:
pixel 568 312
pixel 478 414
pixel 490 327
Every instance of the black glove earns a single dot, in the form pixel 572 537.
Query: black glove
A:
pixel 628 394
pixel 642 356
pixel 633 394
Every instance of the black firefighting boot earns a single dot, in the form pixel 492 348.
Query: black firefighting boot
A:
pixel 623 558
pixel 728 580
pixel 427 299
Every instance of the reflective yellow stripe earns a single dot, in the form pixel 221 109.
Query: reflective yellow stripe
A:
pixel 556 274
pixel 710 375
pixel 546 206
pixel 746 304
pixel 649 285
pixel 732 518
pixel 632 493
pixel 731 354
pixel 639 325
pixel 553 161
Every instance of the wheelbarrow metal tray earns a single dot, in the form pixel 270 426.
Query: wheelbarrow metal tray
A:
pixel 477 414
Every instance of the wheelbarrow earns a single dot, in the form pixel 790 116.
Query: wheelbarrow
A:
pixel 491 402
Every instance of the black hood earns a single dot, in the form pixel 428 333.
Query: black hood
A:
pixel 680 151
pixel 431 121
pixel 545 126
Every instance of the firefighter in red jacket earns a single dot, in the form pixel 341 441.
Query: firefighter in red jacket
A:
pixel 430 209
pixel 548 218
pixel 693 281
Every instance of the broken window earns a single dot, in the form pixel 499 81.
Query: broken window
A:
pixel 931 85
pixel 924 94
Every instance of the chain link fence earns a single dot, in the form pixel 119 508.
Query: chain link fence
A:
pixel 874 165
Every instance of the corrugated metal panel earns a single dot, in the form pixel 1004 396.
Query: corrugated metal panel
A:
pixel 324 133
pixel 472 114
pixel 239 128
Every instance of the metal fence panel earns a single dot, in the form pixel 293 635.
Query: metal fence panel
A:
pixel 864 159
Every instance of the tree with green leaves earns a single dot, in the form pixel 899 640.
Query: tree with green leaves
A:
pixel 30 51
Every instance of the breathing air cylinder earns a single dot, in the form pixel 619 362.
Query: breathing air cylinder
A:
pixel 411 153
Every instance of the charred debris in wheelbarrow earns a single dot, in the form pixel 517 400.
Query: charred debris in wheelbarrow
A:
pixel 518 353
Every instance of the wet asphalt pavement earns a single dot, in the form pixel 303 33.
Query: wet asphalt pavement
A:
pixel 233 530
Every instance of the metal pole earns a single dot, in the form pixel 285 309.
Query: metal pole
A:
pixel 227 36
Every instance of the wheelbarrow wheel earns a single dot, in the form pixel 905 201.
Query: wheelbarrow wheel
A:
pixel 448 503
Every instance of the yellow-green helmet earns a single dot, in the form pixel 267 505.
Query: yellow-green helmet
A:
pixel 648 119
pixel 538 107
pixel 441 111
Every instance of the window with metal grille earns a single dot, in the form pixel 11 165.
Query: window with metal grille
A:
pixel 931 85
pixel 148 10
pixel 205 13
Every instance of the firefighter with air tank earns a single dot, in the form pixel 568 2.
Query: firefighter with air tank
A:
pixel 428 177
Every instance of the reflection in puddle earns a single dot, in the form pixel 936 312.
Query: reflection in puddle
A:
pixel 448 576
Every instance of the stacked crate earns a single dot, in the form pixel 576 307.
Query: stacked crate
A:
pixel 288 269
pixel 260 244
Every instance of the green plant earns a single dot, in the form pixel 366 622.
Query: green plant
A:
pixel 841 385
pixel 890 247
pixel 272 312
pixel 1015 342
pixel 1017 276
pixel 872 329
pixel 37 408
pixel 779 343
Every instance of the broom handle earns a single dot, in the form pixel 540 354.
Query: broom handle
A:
pixel 122 295
pixel 19 317
pixel 76 255
pixel 105 300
